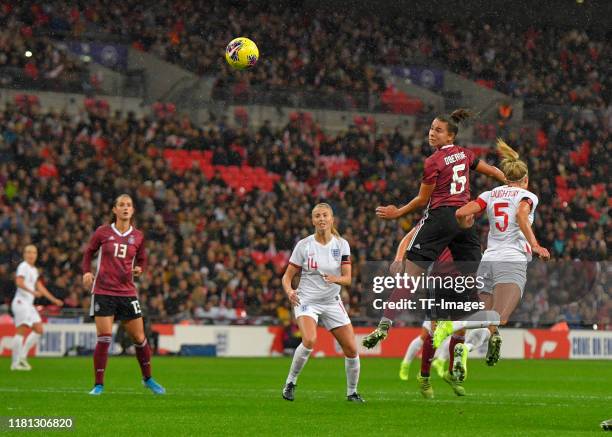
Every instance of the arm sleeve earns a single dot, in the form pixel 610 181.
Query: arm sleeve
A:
pixel 430 172
pixel 92 248
pixel 297 256
pixel 531 199
pixel 21 270
pixel 346 253
pixel 483 199
pixel 141 255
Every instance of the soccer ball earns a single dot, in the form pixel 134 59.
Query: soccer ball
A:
pixel 241 53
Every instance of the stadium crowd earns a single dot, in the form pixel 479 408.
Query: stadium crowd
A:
pixel 217 251
pixel 338 52
pixel 30 59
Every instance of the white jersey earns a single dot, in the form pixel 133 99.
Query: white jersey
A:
pixel 506 242
pixel 30 275
pixel 315 259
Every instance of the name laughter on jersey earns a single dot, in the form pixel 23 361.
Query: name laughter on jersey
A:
pixel 451 159
pixel 427 304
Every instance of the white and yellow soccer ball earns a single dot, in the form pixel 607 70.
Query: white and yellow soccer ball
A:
pixel 241 53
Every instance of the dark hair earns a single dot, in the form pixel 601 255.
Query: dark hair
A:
pixel 454 119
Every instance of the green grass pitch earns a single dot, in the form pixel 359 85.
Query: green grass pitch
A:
pixel 231 396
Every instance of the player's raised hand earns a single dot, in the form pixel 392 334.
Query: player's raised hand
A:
pixel 541 252
pixel 137 271
pixel 388 212
pixel 293 298
pixel 466 222
pixel 88 280
pixel 330 279
pixel 58 302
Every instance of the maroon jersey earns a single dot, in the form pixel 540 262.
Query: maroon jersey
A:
pixel 117 254
pixel 449 168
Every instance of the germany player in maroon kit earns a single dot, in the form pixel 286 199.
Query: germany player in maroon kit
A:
pixel 121 256
pixel 444 188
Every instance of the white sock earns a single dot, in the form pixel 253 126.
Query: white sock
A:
pixel 476 338
pixel 299 361
pixel 442 352
pixel 413 349
pixel 31 341
pixel 481 319
pixel 17 346
pixel 352 367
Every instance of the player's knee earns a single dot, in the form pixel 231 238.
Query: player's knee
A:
pixel 309 341
pixel 138 339
pixel 38 329
pixel 350 351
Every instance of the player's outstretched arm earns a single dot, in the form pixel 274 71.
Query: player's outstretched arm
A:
pixel 522 217
pixel 391 212
pixel 491 171
pixel 43 291
pixel 465 214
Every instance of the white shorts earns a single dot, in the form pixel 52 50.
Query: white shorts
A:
pixel 332 314
pixel 24 313
pixel 502 272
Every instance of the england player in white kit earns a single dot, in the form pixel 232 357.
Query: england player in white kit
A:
pixel 511 243
pixel 324 262
pixel 29 287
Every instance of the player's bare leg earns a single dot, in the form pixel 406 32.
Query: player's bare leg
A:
pixel 104 330
pixel 346 338
pixel 20 332
pixel 308 329
pixel 505 299
pixel 135 329
pixel 31 341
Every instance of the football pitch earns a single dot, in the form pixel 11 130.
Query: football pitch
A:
pixel 233 396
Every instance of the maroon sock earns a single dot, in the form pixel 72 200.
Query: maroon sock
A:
pixel 427 355
pixel 101 356
pixel 143 353
pixel 455 339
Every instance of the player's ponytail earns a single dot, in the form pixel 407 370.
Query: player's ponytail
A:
pixel 334 231
pixel 460 115
pixel 453 120
pixel 513 168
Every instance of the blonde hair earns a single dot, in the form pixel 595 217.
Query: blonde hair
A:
pixel 334 231
pixel 513 168
pixel 29 246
